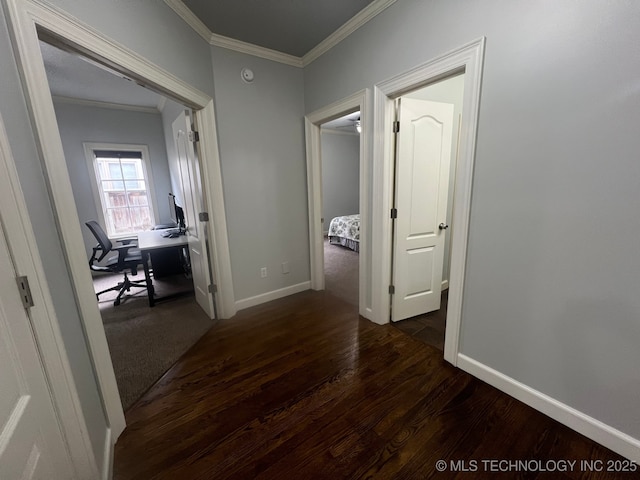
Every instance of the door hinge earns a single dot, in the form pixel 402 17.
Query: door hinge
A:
pixel 392 289
pixel 213 288
pixel 25 291
pixel 396 126
pixel 203 216
pixel 394 213
pixel 194 136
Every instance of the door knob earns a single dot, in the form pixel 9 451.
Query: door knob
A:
pixel 443 226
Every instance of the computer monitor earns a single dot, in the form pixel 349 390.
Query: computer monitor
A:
pixel 177 213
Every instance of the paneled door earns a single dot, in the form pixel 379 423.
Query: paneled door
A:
pixel 32 445
pixel 192 202
pixel 423 156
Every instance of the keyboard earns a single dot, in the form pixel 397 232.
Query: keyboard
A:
pixel 171 231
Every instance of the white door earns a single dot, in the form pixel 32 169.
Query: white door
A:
pixel 192 202
pixel 422 178
pixel 31 442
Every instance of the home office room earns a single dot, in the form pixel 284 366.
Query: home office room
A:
pixel 117 138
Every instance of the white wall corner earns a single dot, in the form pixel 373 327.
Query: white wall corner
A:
pixel 590 427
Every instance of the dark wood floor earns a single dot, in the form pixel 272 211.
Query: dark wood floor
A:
pixel 428 328
pixel 302 388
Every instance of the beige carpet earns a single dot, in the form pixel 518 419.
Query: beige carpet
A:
pixel 341 272
pixel 144 342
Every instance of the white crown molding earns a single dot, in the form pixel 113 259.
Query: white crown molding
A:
pixel 188 16
pixel 98 104
pixel 194 22
pixel 334 131
pixel 255 50
pixel 362 17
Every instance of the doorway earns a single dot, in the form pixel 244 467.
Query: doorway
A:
pixel 340 157
pixel 119 149
pixel 466 59
pixel 313 122
pixel 27 25
pixel 434 111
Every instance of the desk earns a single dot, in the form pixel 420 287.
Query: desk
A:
pixel 153 240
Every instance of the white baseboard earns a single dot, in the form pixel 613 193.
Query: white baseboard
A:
pixel 367 313
pixel 107 461
pixel 274 295
pixel 445 285
pixel 597 431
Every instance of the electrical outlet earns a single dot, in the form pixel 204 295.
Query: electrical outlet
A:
pixel 263 272
pixel 285 267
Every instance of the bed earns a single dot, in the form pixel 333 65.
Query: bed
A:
pixel 345 231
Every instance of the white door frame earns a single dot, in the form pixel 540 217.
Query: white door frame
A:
pixel 24 253
pixel 467 58
pixel 25 17
pixel 312 123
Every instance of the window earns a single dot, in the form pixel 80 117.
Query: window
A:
pixel 122 187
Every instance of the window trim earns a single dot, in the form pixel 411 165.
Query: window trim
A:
pixel 89 149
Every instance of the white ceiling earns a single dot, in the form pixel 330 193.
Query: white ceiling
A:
pixel 345 124
pixel 71 76
pixel 289 26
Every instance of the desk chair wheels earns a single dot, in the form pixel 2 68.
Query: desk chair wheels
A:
pixel 122 288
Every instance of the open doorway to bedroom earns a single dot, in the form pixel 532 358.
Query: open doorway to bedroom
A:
pixel 354 108
pixel 340 157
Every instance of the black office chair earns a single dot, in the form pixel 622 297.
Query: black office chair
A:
pixel 127 259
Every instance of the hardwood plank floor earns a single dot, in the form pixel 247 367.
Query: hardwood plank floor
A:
pixel 429 327
pixel 302 388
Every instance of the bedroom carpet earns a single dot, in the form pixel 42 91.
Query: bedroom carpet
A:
pixel 341 272
pixel 145 342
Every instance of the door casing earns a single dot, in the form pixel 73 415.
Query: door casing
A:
pixel 26 19
pixel 468 59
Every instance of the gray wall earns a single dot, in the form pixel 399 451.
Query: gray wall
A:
pixel 340 175
pixel 78 124
pixel 152 29
pixel 447 91
pixel 551 289
pixel 141 26
pixel 261 131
